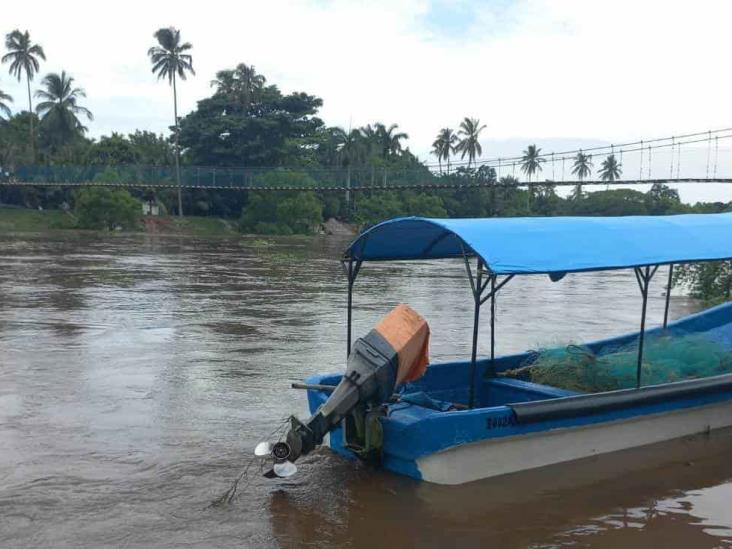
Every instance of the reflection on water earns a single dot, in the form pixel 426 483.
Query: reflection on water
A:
pixel 137 374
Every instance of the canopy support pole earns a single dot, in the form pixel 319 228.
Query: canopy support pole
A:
pixel 643 276
pixel 477 290
pixel 478 286
pixel 668 294
pixel 351 268
pixel 493 325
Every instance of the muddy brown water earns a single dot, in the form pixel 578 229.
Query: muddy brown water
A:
pixel 138 372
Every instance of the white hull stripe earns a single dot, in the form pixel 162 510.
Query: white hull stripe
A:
pixel 494 457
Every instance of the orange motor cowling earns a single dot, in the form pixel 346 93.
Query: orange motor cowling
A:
pixel 409 335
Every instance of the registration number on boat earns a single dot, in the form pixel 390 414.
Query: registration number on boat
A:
pixel 499 421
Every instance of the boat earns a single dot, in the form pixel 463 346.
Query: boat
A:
pixel 462 421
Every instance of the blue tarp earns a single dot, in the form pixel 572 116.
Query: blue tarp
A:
pixel 524 245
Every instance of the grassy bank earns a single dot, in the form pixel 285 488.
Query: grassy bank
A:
pixel 21 220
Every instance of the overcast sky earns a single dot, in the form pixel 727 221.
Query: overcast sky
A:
pixel 547 71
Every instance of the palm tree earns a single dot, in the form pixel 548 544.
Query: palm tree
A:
pixel 23 56
pixel 4 100
pixel 242 84
pixel 389 141
pixel 610 169
pixel 470 129
pixel 169 59
pixel 59 108
pixel 531 161
pixel 582 168
pixel 443 146
pixel 437 151
pixel 350 150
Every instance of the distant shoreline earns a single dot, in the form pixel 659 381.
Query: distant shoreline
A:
pixel 15 219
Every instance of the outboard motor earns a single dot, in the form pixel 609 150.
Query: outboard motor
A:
pixel 394 352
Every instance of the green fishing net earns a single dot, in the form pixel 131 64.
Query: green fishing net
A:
pixel 666 358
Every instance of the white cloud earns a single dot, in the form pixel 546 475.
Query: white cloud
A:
pixel 532 70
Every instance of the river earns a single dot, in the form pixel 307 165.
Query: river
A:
pixel 137 373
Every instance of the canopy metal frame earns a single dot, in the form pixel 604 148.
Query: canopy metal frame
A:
pixel 351 267
pixel 643 275
pixel 478 286
pixel 485 285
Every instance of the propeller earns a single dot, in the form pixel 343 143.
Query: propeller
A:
pixel 263 449
pixel 279 452
pixel 284 469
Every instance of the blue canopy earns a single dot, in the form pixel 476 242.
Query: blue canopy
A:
pixel 524 245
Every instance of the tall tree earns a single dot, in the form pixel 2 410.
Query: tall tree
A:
pixel 610 169
pixel 23 57
pixel 242 84
pixel 351 150
pixel 4 100
pixel 389 139
pixel 59 108
pixel 531 161
pixel 469 144
pixel 273 130
pixel 582 168
pixel 437 151
pixel 351 147
pixel 444 146
pixel 169 59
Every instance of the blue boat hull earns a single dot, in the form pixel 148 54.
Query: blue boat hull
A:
pixel 522 425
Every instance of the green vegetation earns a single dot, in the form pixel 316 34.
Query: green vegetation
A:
pixel 247 128
pixel 711 282
pixel 60 110
pixel 104 208
pixel 23 220
pixel 170 60
pixel 23 56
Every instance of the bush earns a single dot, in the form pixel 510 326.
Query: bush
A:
pixel 108 209
pixel 282 213
pixel 613 202
pixel 710 281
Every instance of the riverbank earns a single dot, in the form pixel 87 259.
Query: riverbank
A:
pixel 23 220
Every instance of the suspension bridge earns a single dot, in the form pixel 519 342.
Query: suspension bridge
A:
pixel 689 158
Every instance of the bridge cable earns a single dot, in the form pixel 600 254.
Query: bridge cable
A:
pixel 716 155
pixel 709 151
pixel 605 147
pixel 553 178
pixel 640 171
pixel 671 171
pixel 649 161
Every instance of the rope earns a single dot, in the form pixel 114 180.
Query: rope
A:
pixel 228 497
